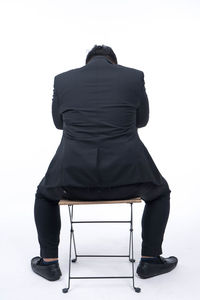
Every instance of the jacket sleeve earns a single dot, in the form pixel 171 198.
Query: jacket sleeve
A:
pixel 57 117
pixel 142 112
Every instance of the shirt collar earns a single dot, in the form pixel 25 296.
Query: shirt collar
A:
pixel 99 57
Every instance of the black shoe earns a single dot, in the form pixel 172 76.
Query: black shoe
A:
pixel 148 269
pixel 51 272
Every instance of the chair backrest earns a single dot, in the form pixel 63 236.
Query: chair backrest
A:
pixel 83 202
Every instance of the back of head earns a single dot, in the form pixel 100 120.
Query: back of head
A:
pixel 102 50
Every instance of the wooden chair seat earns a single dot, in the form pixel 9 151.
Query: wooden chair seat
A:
pixel 83 202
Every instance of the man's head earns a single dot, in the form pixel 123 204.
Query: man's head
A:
pixel 102 50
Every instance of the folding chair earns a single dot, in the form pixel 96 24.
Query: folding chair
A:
pixel 70 204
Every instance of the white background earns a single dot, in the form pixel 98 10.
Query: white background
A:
pixel 40 39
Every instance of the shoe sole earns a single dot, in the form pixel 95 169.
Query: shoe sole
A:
pixel 160 273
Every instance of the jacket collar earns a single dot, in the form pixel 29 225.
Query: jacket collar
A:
pixel 99 58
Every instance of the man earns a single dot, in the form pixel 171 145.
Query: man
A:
pixel 100 107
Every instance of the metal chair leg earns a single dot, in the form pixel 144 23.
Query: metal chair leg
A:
pixel 137 289
pixel 130 259
pixel 65 290
pixel 75 252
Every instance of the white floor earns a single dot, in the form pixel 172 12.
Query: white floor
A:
pixel 19 244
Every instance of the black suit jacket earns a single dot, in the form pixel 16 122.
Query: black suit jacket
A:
pixel 99 107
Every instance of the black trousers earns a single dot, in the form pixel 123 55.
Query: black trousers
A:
pixel 154 218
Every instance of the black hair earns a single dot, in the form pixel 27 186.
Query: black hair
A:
pixel 102 50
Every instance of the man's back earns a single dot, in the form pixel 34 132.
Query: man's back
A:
pixel 99 107
pixel 99 101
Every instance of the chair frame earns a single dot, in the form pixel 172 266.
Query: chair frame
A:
pixel 70 204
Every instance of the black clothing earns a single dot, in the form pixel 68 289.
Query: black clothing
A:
pixel 154 219
pixel 100 107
